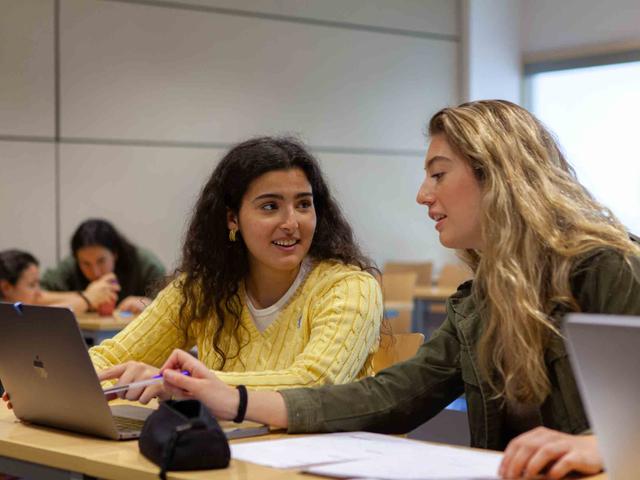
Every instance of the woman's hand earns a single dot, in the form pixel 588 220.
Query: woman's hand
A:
pixel 5 398
pixel 133 372
pixel 103 290
pixel 221 399
pixel 133 304
pixel 556 453
pixel 202 384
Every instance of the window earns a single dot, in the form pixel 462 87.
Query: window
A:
pixel 595 113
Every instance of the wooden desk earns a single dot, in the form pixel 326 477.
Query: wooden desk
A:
pixel 45 453
pixel 51 454
pixel 96 328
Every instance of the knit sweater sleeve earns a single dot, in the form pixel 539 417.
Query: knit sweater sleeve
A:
pixel 344 331
pixel 150 338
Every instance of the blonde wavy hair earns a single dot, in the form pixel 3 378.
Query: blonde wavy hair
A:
pixel 537 223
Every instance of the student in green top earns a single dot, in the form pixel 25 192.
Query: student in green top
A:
pixel 104 270
pixel 502 194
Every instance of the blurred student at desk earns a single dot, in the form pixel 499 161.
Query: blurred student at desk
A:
pixel 272 288
pixel 103 272
pixel 19 277
pixel 501 192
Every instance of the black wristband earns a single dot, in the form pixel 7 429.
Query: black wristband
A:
pixel 84 297
pixel 242 406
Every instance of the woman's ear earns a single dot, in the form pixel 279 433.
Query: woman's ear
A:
pixel 232 220
pixel 5 289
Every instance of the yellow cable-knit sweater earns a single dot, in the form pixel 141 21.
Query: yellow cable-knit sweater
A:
pixel 326 334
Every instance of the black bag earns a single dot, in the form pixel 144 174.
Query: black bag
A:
pixel 183 435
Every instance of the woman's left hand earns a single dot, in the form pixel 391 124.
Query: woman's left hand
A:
pixel 133 304
pixel 130 372
pixel 556 453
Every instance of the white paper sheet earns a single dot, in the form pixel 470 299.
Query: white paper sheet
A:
pixel 361 454
pixel 431 463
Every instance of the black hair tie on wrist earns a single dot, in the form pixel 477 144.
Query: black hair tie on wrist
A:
pixel 242 406
pixel 84 297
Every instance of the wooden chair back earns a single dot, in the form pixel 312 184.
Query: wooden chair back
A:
pixel 399 318
pixel 397 295
pixel 396 348
pixel 423 269
pixel 453 274
pixel 398 287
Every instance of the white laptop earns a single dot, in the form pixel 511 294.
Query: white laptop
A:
pixel 605 354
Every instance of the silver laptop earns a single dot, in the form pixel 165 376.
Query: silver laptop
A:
pixel 605 354
pixel 45 367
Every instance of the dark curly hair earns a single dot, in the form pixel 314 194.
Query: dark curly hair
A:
pixel 212 267
pixel 98 232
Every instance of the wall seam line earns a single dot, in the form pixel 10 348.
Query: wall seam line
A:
pixel 293 19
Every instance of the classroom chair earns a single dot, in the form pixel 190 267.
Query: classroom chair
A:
pixel 396 348
pixel 451 275
pixel 423 269
pixel 397 294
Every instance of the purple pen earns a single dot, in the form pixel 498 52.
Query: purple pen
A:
pixel 141 383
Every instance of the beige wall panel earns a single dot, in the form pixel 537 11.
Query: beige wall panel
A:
pixel 146 192
pixel 549 25
pixel 26 68
pixel 27 205
pixel 378 195
pixel 433 16
pixel 169 74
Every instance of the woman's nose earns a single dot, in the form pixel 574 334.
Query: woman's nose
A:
pixel 424 196
pixel 96 271
pixel 290 222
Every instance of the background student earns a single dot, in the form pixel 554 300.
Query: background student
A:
pixel 104 271
pixel 19 280
pixel 501 192
pixel 19 277
pixel 272 288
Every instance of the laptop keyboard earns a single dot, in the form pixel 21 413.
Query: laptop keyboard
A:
pixel 125 424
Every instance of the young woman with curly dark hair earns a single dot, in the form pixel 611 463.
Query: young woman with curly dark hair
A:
pixel 272 288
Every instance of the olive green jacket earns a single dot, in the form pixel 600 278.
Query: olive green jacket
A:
pixel 405 395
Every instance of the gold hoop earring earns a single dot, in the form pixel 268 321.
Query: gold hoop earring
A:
pixel 232 234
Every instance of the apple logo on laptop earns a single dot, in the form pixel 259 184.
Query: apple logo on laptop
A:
pixel 38 366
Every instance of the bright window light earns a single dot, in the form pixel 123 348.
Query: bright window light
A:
pixel 595 114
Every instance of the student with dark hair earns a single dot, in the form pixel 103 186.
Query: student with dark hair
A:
pixel 19 280
pixel 19 277
pixel 500 192
pixel 104 269
pixel 272 289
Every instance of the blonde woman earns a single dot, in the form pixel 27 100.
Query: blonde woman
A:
pixel 540 246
